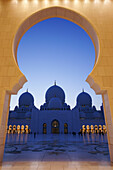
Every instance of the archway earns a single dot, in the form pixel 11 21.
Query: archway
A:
pixel 18 82
pixel 60 13
pixel 55 127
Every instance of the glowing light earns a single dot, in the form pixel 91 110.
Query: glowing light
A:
pixel 46 2
pixel 36 1
pixel 75 1
pixel 85 1
pixel 25 1
pixel 96 1
pixel 56 1
pixel 106 1
pixel 66 1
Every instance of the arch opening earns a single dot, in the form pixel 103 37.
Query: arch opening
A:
pixel 58 12
pixel 64 13
pixel 55 127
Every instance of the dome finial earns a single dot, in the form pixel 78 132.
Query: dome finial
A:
pixel 83 90
pixel 55 82
pixel 27 90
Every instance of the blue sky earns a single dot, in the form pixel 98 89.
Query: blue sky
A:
pixel 56 49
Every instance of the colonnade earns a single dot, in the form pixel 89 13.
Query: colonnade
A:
pixel 18 129
pixel 101 129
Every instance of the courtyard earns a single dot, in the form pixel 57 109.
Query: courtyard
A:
pixel 56 152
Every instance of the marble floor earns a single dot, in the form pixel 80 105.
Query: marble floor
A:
pixel 56 152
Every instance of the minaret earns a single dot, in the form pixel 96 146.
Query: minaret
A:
pixel 55 82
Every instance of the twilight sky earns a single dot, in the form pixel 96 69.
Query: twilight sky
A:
pixel 56 49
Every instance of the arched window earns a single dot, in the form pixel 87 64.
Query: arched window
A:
pixel 65 128
pixel 22 129
pixel 14 128
pixel 44 128
pixel 10 129
pixel 18 128
pixel 104 129
pixel 96 129
pixel 26 129
pixel 92 128
pixel 87 128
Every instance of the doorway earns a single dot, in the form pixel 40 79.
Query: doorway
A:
pixel 55 127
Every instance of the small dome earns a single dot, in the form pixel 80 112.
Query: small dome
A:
pixel 55 103
pixel 84 99
pixel 55 91
pixel 26 99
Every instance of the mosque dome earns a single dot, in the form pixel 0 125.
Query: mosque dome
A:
pixel 55 103
pixel 26 99
pixel 55 91
pixel 84 99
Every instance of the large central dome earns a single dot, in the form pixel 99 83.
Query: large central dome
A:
pixel 55 91
pixel 55 103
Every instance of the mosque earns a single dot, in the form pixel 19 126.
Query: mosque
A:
pixel 55 116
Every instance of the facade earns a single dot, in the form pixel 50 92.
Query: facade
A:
pixel 55 115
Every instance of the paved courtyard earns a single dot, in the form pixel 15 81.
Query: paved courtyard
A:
pixel 56 152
